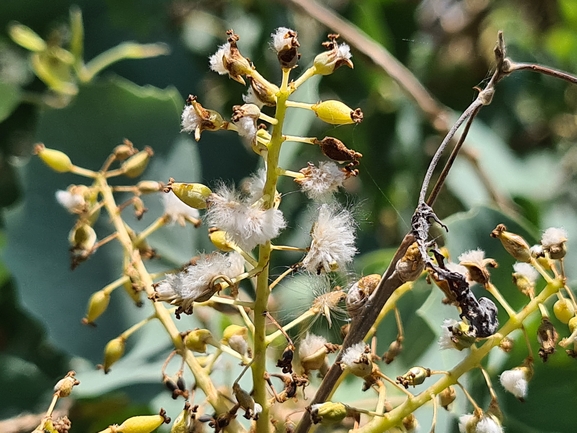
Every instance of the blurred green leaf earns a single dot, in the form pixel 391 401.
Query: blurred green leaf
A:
pixel 9 99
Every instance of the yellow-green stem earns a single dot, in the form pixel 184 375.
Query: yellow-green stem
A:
pixel 395 416
pixel 202 379
pixel 262 287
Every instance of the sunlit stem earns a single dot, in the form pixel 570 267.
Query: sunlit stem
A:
pixel 500 299
pixel 227 301
pixel 305 76
pixel 489 383
pixel 395 384
pixel 302 318
pixel 126 50
pixel 435 408
pixel 246 319
pixel 288 248
pixel 471 399
pixel 115 284
pixel 159 223
pixel 295 104
pixel 543 310
pixel 296 139
pixel 535 263
pixel 391 303
pixel 136 327
pixel 280 278
pixel 267 118
pixel 289 173
pixel 83 172
pixel 380 408
pixel 400 333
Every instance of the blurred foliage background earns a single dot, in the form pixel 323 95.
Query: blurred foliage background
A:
pixel 520 168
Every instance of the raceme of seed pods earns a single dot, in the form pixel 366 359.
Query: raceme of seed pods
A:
pixel 236 279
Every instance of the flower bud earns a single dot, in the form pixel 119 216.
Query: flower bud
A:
pixel 191 194
pixel 64 386
pixel 55 159
pixel 97 305
pixel 219 239
pixel 26 37
pixel 447 396
pixel 564 310
pixel 136 164
pixel 328 412
pixel 196 340
pixel 513 243
pixel 113 352
pixel 142 424
pixel 415 376
pixel 337 113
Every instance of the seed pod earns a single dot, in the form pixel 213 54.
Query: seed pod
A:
pixel 513 243
pixel 219 239
pixel 336 150
pixel 447 396
pixel 82 238
pixel 328 412
pixel 113 352
pixel 136 164
pixel 26 37
pixel 65 385
pixel 564 310
pixel 141 424
pixel 96 306
pixel 124 151
pixel 337 113
pixel 197 339
pixel 191 194
pixel 415 376
pixel 55 159
pixel 235 337
pixel 336 56
pixel 572 324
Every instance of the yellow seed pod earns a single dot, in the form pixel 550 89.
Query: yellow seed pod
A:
pixel 132 292
pixel 564 310
pixel 182 422
pixel 191 194
pixel 572 324
pixel 136 164
pixel 55 159
pixel 113 352
pixel 97 305
pixel 26 37
pixel 196 340
pixel 141 424
pixel 328 412
pixel 337 113
pixel 219 239
pixel 513 243
pixel 232 331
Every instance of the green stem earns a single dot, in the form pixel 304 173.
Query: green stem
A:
pixel 262 287
pixel 395 416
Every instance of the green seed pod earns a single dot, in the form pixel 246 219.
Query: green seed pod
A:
pixel 328 412
pixel 96 306
pixel 113 352
pixel 55 159
pixel 337 113
pixel 564 310
pixel 26 37
pixel 196 340
pixel 415 376
pixel 141 424
pixel 136 164
pixel 191 194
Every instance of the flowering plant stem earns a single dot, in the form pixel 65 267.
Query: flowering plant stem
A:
pixel 393 418
pixel 262 284
pixel 162 313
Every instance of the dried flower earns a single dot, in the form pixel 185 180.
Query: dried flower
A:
pixel 513 243
pixel 357 360
pixel 525 277
pixel 516 381
pixel 456 335
pixel 322 182
pixel 228 60
pixel 476 264
pixel 285 43
pixel 553 241
pixel 195 118
pixel 73 198
pixel 245 223
pixel 245 118
pixel 194 284
pixel 486 423
pixel 335 57
pixel 333 237
pixel 313 353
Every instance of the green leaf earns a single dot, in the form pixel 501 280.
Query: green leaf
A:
pixel 9 99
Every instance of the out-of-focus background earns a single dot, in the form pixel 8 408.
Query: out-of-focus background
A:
pixel 519 167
